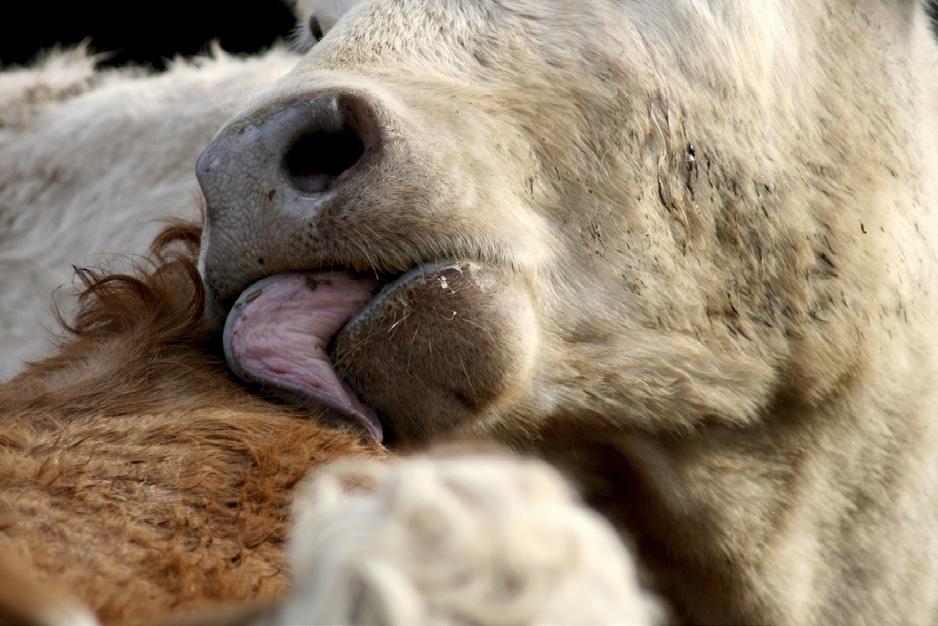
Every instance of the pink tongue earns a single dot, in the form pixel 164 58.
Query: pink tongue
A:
pixel 277 332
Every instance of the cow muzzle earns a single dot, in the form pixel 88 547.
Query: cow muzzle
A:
pixel 329 250
pixel 267 178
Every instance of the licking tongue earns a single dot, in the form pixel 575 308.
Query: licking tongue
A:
pixel 277 333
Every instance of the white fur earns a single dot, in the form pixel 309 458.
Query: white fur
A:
pixel 91 163
pixel 479 539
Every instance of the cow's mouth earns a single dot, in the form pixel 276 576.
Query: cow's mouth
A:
pixel 425 350
pixel 281 332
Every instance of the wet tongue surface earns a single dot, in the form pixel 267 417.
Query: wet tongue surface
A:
pixel 277 333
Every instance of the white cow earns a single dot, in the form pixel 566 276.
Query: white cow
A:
pixel 92 162
pixel 686 249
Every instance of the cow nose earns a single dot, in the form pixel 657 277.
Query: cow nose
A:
pixel 269 178
pixel 321 147
pixel 307 145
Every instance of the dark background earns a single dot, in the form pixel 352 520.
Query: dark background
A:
pixel 142 31
pixel 149 32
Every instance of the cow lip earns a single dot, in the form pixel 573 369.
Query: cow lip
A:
pixel 331 408
pixel 223 304
pixel 385 292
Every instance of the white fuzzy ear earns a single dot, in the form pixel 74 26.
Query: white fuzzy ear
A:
pixel 478 539
pixel 317 17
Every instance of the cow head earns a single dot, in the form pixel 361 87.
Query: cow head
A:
pixel 625 214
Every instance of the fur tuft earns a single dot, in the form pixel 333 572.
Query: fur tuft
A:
pixel 162 302
pixel 456 539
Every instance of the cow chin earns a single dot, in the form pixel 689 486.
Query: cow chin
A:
pixel 446 347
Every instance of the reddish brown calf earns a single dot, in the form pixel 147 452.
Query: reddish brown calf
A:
pixel 134 471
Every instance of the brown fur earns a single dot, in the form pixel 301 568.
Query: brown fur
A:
pixel 135 471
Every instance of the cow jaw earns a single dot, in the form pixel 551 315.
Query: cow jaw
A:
pixel 444 340
pixel 446 347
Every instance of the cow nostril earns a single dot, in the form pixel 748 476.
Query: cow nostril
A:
pixel 317 158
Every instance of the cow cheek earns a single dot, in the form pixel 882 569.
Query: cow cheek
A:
pixel 448 348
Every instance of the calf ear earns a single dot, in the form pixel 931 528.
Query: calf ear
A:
pixel 24 601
